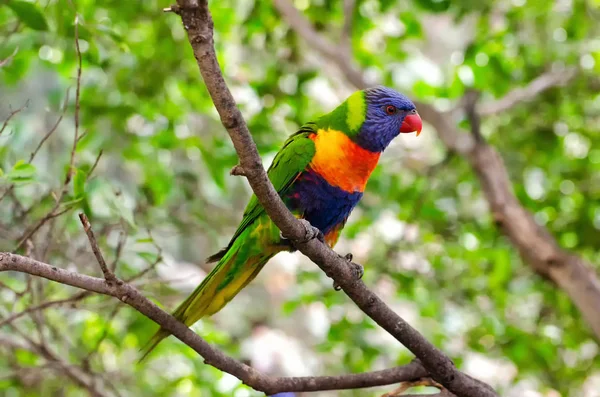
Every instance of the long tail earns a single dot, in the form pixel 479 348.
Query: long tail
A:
pixel 237 266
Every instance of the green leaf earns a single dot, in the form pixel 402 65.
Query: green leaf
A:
pixel 149 257
pixel 21 172
pixel 144 240
pixel 29 14
pixel 79 182
pixel 71 202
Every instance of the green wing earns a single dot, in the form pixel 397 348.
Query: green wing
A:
pixel 290 161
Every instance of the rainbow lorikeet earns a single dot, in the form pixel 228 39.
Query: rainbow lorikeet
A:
pixel 320 174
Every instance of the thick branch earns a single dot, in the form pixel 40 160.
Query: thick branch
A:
pixel 199 26
pixel 536 245
pixel 251 377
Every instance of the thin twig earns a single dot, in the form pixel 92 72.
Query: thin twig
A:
pixel 12 114
pixel 109 276
pixel 50 215
pixel 77 103
pixel 95 164
pixel 54 127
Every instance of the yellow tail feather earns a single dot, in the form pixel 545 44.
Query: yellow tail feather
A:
pixel 231 275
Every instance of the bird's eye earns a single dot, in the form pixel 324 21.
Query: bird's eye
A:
pixel 390 109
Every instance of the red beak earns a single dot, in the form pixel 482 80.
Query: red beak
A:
pixel 412 123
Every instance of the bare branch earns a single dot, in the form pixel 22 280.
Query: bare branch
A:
pixel 77 104
pixel 55 212
pixel 346 36
pixel 198 23
pixel 470 102
pixel 12 114
pixel 529 92
pixel 95 164
pixel 109 276
pixel 251 377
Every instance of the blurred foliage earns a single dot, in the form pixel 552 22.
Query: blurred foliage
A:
pixel 428 242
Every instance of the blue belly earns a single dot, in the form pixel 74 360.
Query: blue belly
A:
pixel 323 205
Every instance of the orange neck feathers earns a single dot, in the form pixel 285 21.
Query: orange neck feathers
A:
pixel 341 162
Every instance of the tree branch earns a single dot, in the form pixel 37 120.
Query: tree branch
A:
pixel 198 24
pixel 212 356
pixel 536 245
pixel 346 35
pixel 11 115
pixel 109 276
pixel 338 54
pixel 530 91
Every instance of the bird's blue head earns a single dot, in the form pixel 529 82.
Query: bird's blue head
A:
pixel 387 113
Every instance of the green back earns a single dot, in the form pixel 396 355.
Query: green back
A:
pixel 288 164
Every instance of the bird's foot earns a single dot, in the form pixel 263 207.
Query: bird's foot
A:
pixel 310 232
pixel 357 270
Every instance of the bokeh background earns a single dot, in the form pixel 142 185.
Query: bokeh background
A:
pixel 161 199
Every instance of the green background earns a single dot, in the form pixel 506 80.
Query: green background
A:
pixel 423 232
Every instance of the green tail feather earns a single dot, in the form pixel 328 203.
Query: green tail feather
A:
pixel 237 266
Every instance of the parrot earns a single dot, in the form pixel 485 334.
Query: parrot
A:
pixel 320 173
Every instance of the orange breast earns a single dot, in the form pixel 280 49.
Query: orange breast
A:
pixel 341 162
